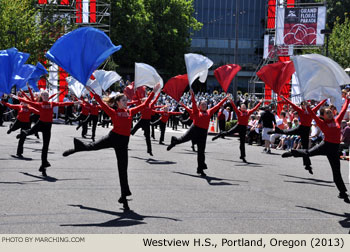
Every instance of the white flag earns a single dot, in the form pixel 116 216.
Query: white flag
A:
pixel 320 78
pixel 106 78
pixel 197 66
pixel 146 75
pixel 75 86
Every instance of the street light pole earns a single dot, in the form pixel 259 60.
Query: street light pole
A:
pixel 235 83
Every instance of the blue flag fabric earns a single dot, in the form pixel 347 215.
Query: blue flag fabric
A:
pixel 22 76
pixel 81 52
pixel 39 71
pixel 11 61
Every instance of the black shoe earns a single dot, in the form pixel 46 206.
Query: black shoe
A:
pixel 243 159
pixel 124 201
pixel 9 131
pixel 19 155
pixel 93 139
pixel 287 154
pixel 172 144
pixel 201 172
pixel 309 168
pixel 271 132
pixel 193 148
pixel 162 143
pixel 268 151
pixel 79 125
pixel 83 136
pixel 44 166
pixel 43 172
pixel 37 135
pixel 68 152
pixel 150 153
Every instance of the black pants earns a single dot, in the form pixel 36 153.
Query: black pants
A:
pixel 82 118
pixel 23 126
pixel 45 129
pixel 241 129
pixel 145 125
pixel 304 133
pixel 94 120
pixel 199 137
pixel 2 110
pixel 120 145
pixel 162 127
pixel 331 150
pixel 68 112
pixel 222 124
pixel 154 118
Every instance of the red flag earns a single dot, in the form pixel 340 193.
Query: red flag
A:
pixel 225 74
pixel 129 91
pixel 268 95
pixel 276 75
pixel 176 86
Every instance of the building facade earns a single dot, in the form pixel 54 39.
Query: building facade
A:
pixel 222 31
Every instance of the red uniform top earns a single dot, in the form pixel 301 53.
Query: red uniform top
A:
pixel 146 112
pixel 94 109
pixel 122 118
pixel 85 108
pixel 23 111
pixel 304 116
pixel 221 115
pixel 46 108
pixel 243 116
pixel 165 115
pixel 201 119
pixel 331 129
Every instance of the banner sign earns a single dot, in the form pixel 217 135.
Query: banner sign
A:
pixel 271 51
pixel 300 26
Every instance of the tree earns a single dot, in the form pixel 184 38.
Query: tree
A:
pixel 30 29
pixel 336 9
pixel 18 26
pixel 156 32
pixel 339 46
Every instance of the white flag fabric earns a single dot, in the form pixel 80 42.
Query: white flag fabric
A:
pixel 75 86
pixel 320 78
pixel 296 97
pixel 95 85
pixel 106 78
pixel 146 75
pixel 197 66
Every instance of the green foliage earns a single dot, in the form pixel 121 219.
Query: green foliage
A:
pixel 339 44
pixel 30 29
pixel 230 124
pixel 336 9
pixel 156 32
pixel 18 26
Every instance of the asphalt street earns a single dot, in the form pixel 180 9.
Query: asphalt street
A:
pixel 267 195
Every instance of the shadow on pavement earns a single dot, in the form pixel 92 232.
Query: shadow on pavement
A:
pixel 241 163
pixel 48 178
pixel 345 223
pixel 155 161
pixel 309 181
pixel 210 179
pixel 125 219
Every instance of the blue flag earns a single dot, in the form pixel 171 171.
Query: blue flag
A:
pixel 11 61
pixel 22 76
pixel 81 52
pixel 39 71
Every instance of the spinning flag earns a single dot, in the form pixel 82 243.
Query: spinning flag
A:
pixel 276 75
pixel 11 61
pixel 320 78
pixel 23 75
pixel 146 75
pixel 225 74
pixel 81 52
pixel 197 66
pixel 75 86
pixel 176 86
pixel 106 78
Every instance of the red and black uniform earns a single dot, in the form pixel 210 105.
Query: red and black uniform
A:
pixel 118 139
pixel 144 123
pixel 162 121
pixel 303 129
pixel 240 127
pixel 22 122
pixel 329 146
pixel 221 120
pixel 198 131
pixel 93 117
pixel 43 125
